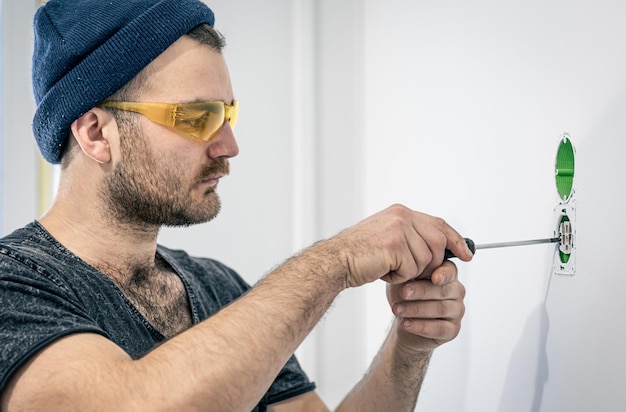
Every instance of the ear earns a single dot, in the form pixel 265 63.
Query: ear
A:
pixel 94 134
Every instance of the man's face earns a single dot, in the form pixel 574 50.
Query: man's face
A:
pixel 161 177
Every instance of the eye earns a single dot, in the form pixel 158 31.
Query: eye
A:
pixel 194 122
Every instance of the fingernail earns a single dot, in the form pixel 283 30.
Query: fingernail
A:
pixel 406 323
pixel 443 278
pixel 408 291
pixel 400 309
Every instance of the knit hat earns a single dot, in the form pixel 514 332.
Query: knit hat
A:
pixel 86 50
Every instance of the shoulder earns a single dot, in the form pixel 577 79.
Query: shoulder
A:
pixel 207 274
pixel 34 248
pixel 181 259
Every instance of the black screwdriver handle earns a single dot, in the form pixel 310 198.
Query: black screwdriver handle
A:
pixel 470 245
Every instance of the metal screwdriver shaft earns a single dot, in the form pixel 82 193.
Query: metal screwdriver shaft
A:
pixel 474 247
pixel 517 243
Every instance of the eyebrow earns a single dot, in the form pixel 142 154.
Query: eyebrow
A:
pixel 204 100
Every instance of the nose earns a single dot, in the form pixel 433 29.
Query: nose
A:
pixel 224 144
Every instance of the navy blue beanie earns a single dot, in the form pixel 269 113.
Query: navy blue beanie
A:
pixel 86 50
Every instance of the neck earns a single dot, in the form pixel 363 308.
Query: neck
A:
pixel 99 241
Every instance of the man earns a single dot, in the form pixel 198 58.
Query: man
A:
pixel 135 101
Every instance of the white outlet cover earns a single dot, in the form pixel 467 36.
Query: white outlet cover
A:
pixel 562 266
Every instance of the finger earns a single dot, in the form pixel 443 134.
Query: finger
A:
pixel 426 290
pixel 446 273
pixel 422 251
pixel 432 246
pixel 406 266
pixel 453 239
pixel 426 239
pixel 440 331
pixel 413 251
pixel 433 309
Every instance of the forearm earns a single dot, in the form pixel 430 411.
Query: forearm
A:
pixel 243 347
pixel 226 362
pixel 392 382
pixel 238 352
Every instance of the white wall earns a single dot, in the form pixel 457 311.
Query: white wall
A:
pixel 18 156
pixel 453 108
pixel 465 102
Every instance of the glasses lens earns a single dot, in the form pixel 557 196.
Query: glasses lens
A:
pixel 232 113
pixel 214 114
pixel 200 120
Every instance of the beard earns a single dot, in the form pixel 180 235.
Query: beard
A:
pixel 145 190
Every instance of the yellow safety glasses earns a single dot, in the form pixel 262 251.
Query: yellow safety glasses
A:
pixel 200 121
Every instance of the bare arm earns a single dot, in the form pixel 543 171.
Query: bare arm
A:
pixel 392 382
pixel 229 361
pixel 428 314
pixel 308 402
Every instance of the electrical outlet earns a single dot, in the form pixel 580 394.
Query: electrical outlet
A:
pixel 565 211
pixel 565 229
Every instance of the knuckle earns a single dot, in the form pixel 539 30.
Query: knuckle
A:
pixel 441 241
pixel 440 222
pixel 454 330
pixel 399 208
pixel 455 291
pixel 394 226
pixel 421 291
pixel 401 213
pixel 397 222
pixel 462 290
pixel 446 291
pixel 425 256
pixel 421 328
pixel 441 329
pixel 443 309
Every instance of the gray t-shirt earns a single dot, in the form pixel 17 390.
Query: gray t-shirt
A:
pixel 47 292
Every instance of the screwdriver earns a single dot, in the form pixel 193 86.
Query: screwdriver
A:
pixel 474 247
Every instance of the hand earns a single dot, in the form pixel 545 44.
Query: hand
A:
pixel 428 311
pixel 396 245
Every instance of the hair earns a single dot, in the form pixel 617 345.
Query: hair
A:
pixel 203 34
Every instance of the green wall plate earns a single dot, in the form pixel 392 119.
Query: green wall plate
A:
pixel 564 168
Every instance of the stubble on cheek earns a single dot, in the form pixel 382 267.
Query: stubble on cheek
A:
pixel 149 188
